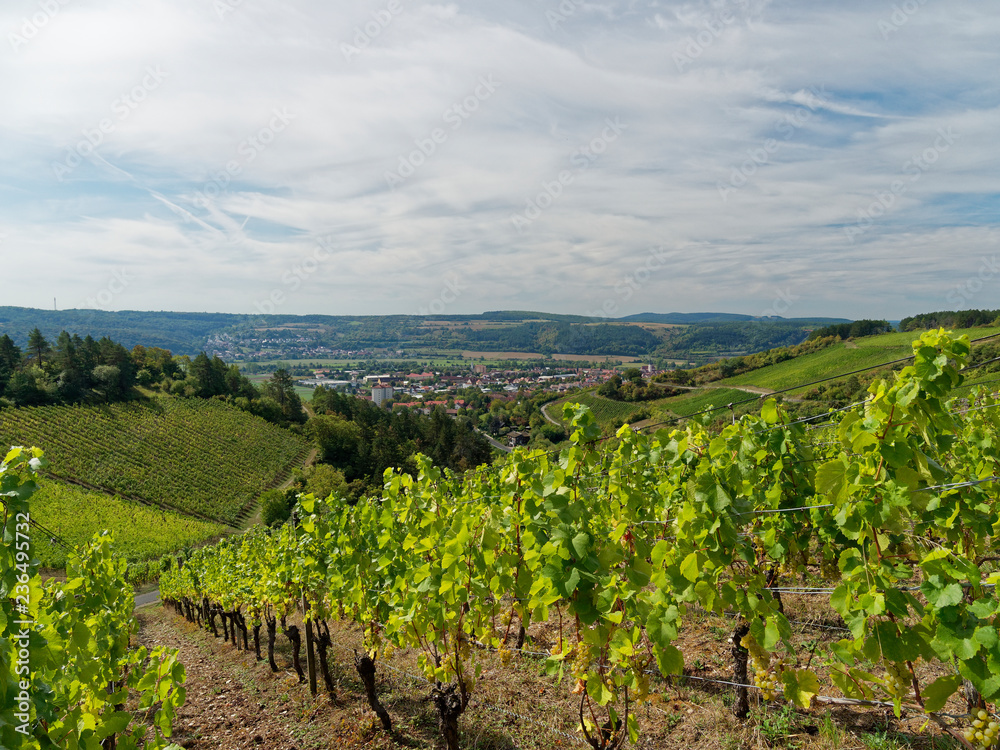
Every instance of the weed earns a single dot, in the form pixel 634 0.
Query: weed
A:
pixel 828 728
pixel 883 740
pixel 775 726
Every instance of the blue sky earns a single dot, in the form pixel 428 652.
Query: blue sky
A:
pixel 393 156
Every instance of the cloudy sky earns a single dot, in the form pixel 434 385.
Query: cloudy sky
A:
pixel 398 156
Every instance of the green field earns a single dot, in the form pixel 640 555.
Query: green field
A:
pixel 837 359
pixel 611 413
pixel 140 531
pixel 709 398
pixel 201 457
pixel 606 411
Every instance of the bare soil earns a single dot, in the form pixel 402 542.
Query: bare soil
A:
pixel 233 701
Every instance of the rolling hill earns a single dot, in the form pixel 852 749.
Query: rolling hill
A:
pixel 202 458
pixel 838 359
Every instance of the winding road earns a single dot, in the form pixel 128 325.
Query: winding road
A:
pixel 495 443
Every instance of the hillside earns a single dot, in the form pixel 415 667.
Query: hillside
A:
pixel 198 457
pixel 141 532
pixel 264 337
pixel 840 358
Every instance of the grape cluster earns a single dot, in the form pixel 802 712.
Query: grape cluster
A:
pixel 765 678
pixel 505 655
pixel 581 660
pixel 984 732
pixel 642 688
pixel 897 681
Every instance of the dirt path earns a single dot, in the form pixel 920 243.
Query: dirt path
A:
pixel 550 419
pixel 231 703
pixel 310 460
pixel 495 443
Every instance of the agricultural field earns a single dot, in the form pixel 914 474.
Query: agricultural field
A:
pixel 840 358
pixel 203 458
pixel 700 400
pixel 610 413
pixel 140 531
pixel 607 412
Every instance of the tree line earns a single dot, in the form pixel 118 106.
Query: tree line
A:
pixel 358 441
pixel 853 330
pixel 84 370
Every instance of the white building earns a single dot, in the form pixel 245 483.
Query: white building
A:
pixel 381 393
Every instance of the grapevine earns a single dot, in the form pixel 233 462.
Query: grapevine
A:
pixel 66 646
pixel 615 541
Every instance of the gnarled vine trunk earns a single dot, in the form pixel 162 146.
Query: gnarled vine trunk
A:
pixel 292 633
pixel 450 707
pixel 366 671
pixel 741 708
pixel 272 627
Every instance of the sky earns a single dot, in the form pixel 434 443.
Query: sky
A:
pixel 403 157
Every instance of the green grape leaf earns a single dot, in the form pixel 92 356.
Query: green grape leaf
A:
pixel 801 686
pixel 938 692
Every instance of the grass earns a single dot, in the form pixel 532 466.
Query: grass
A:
pixel 696 401
pixel 837 359
pixel 610 414
pixel 195 456
pixel 141 532
pixel 607 412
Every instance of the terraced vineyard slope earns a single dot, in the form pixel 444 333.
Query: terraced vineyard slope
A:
pixel 141 532
pixel 203 458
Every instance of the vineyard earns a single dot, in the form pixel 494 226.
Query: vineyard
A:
pixel 609 414
pixel 199 457
pixel 70 678
pixel 141 532
pixel 605 410
pixel 879 519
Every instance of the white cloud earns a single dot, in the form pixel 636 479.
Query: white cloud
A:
pixel 750 156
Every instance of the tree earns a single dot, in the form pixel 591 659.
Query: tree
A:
pixel 107 379
pixel 65 358
pixel 281 388
pixel 633 375
pixel 338 441
pixel 610 388
pixel 23 389
pixel 324 480
pixel 208 375
pixel 38 345
pixel 10 358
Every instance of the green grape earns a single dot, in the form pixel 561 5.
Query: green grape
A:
pixel 581 661
pixel 764 678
